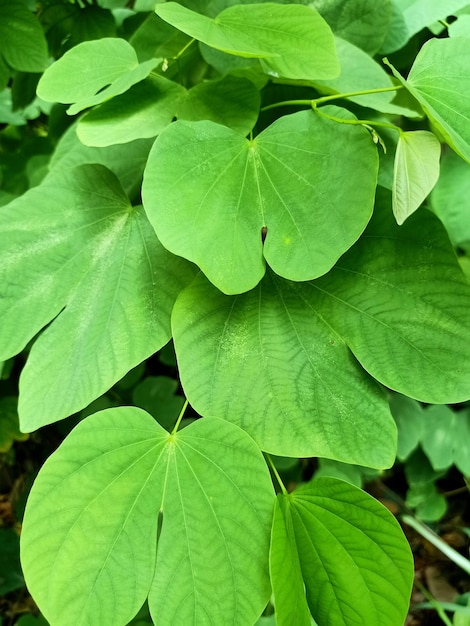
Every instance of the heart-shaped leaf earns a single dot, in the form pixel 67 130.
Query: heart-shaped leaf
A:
pixel 92 72
pixel 75 253
pixel 208 193
pixel 354 559
pixel 292 41
pixel 135 510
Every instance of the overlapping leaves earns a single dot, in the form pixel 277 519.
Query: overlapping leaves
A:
pixel 140 512
pixel 75 253
pixel 208 193
pixel 277 360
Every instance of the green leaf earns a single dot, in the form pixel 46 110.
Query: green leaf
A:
pixel 22 41
pixel 409 417
pixel 75 253
pixel 422 13
pixel 230 101
pixel 461 27
pixel 11 577
pixel 359 72
pixel 292 41
pixel 416 171
pixel 208 192
pixel 92 72
pixel 449 199
pixel 9 425
pixel 355 561
pixel 269 361
pixel 133 510
pixel 156 394
pixel 411 335
pixel 128 165
pixel 443 94
pixel 446 438
pixel 143 111
pixel 362 22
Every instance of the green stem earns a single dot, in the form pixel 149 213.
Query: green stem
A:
pixel 180 417
pixel 356 122
pixel 276 474
pixel 336 96
pixel 441 545
pixel 435 604
pixel 183 49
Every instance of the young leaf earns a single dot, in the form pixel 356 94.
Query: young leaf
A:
pixel 22 42
pixel 133 510
pixel 415 173
pixel 355 561
pixel 92 72
pixel 440 81
pixel 292 41
pixel 269 361
pixel 75 253
pixel 143 111
pixel 208 192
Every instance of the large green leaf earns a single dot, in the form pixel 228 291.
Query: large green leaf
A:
pixel 292 41
pixel 422 13
pixel 415 173
pixel 22 42
pixel 93 72
pixel 276 360
pixel 123 509
pixel 208 193
pixel 143 111
pixel 75 253
pixel 354 559
pixel 362 22
pixel 269 361
pixel 440 81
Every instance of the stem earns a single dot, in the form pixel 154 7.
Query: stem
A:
pixel 336 96
pixel 276 474
pixel 355 122
pixel 183 49
pixel 180 417
pixel 435 604
pixel 441 545
pixel 350 94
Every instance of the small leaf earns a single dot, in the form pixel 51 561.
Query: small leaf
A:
pixel 119 483
pixel 409 417
pixel 208 192
pixel 92 72
pixel 143 111
pixel 292 41
pixel 446 438
pixel 78 224
pixel 22 41
pixel 416 171
pixel 356 563
pixel 443 94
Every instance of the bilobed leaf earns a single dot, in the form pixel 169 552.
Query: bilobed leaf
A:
pixel 356 563
pixel 75 253
pixel 440 81
pixel 277 360
pixel 362 22
pixel 134 510
pixel 92 72
pixel 416 171
pixel 208 192
pixel 270 362
pixel 230 101
pixel 292 41
pixel 143 111
pixel 22 42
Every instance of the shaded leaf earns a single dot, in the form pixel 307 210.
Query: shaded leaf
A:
pixel 292 41
pixel 9 424
pixel 93 72
pixel 409 417
pixel 446 438
pixel 143 111
pixel 22 42
pixel 208 192
pixel 416 171
pixel 76 253
pixel 355 561
pixel 119 482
